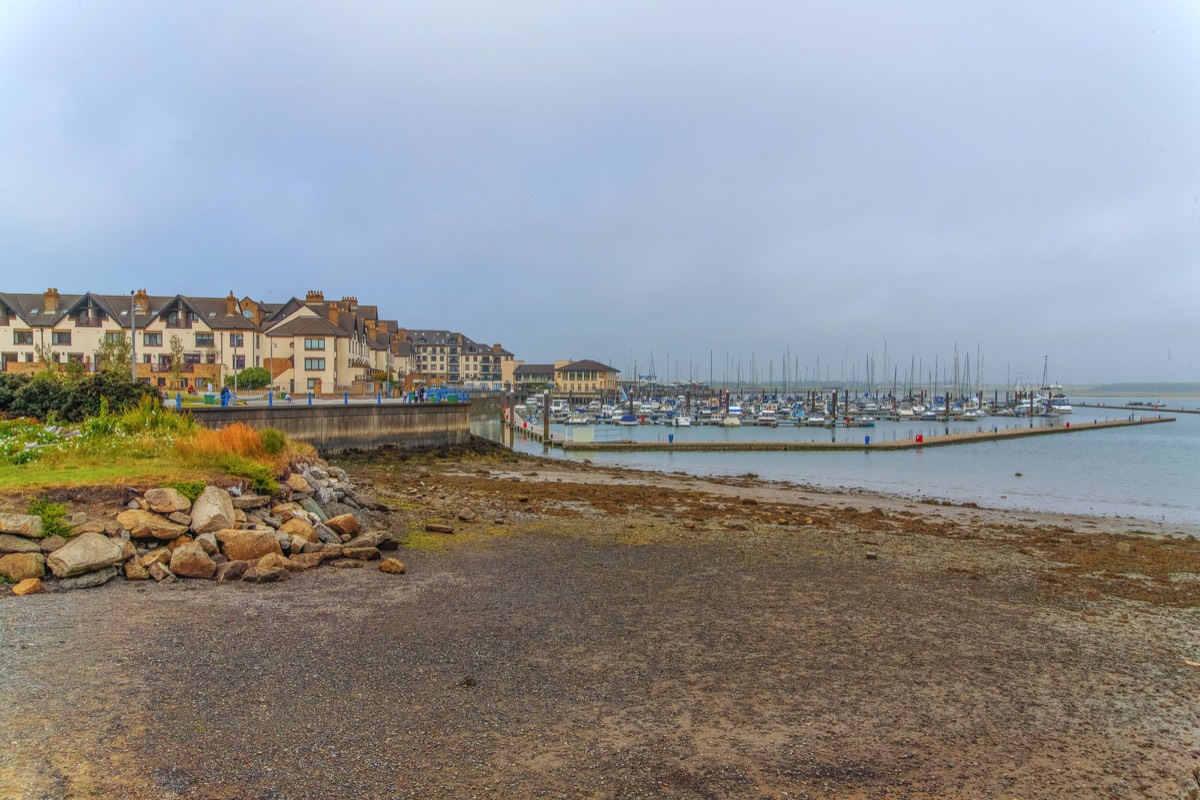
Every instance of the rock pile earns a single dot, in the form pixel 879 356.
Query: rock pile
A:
pixel 224 535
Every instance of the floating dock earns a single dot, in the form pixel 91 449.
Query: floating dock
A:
pixel 914 443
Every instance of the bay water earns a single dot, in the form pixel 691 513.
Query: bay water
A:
pixel 1145 472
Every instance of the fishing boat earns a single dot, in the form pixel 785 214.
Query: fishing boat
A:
pixel 628 419
pixel 731 421
pixel 682 421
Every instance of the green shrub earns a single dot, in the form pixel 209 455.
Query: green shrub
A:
pixel 54 516
pixel 274 441
pixel 189 489
pixel 68 395
pixel 251 378
pixel 262 478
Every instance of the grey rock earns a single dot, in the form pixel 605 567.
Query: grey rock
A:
pixel 18 544
pixel 212 511
pixel 51 543
pixel 180 518
pixel 378 539
pixel 273 522
pixel 318 473
pixel 91 551
pixel 25 525
pixel 88 580
pixel 251 501
pixel 325 495
pixel 165 500
pixel 326 535
pixel 312 507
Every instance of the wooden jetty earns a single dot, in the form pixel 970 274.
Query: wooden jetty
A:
pixel 914 443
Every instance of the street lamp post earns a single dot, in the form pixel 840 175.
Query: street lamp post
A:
pixel 235 336
pixel 132 337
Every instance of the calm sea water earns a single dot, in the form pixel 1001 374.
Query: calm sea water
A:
pixel 1149 472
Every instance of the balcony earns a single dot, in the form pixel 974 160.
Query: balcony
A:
pixel 88 322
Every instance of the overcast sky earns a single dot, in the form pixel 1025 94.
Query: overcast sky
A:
pixel 627 180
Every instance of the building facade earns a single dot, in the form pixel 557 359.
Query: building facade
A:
pixel 182 343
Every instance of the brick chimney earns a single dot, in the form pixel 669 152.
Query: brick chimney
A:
pixel 230 304
pixel 142 300
pixel 496 348
pixel 351 303
pixel 333 313
pixel 51 299
pixel 314 297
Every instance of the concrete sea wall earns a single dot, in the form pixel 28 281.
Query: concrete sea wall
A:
pixel 335 428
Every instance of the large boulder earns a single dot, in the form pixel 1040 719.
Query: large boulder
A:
pixel 84 553
pixel 26 525
pixel 381 539
pixel 20 566
pixel 231 571
pixel 159 555
pixel 297 484
pixel 166 500
pixel 89 580
pixel 249 501
pixel 212 511
pixel 18 544
pixel 248 545
pixel 143 524
pixel 285 511
pixel 298 527
pixel 21 524
pixel 344 523
pixel 190 561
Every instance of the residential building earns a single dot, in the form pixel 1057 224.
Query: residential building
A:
pixel 314 344
pixel 448 358
pixel 585 378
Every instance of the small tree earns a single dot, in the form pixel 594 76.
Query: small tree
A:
pixel 176 359
pixel 115 355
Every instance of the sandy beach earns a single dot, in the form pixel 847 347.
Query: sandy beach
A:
pixel 601 633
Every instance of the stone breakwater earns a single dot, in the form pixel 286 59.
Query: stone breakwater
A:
pixel 316 518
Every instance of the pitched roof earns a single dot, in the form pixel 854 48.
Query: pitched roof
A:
pixel 587 365
pixel 306 326
pixel 533 369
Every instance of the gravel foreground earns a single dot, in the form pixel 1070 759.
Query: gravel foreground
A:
pixel 605 634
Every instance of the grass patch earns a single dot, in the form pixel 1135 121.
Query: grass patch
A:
pixel 189 489
pixel 54 516
pixel 261 477
pixel 143 444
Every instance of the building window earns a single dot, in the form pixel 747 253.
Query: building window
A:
pixel 314 364
pixel 312 383
pixel 314 344
pixel 204 340
pixel 22 337
pixel 152 339
pixel 60 337
pixel 239 362
pixel 114 337
pixel 236 340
